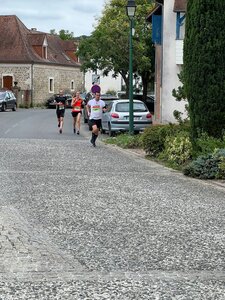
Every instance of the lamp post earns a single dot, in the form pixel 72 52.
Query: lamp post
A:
pixel 131 8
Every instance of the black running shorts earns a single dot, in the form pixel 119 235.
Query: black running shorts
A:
pixel 75 113
pixel 60 113
pixel 93 122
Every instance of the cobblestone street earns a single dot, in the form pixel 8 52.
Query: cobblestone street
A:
pixel 107 225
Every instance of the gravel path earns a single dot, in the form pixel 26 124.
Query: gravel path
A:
pixel 100 223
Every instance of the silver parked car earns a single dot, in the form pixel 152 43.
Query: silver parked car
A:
pixel 116 117
pixel 7 100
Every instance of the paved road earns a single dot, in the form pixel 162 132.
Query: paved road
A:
pixel 100 223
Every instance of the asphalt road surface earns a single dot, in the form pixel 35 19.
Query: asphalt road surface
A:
pixel 78 222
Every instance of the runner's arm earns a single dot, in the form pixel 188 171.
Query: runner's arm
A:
pixel 88 109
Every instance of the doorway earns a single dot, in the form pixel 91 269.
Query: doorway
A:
pixel 7 82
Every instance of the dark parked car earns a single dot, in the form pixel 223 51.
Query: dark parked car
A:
pixel 51 104
pixel 107 98
pixel 7 100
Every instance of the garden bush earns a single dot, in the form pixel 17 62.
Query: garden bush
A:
pixel 209 166
pixel 207 144
pixel 153 138
pixel 125 140
pixel 178 149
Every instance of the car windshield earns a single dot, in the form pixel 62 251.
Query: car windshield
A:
pixel 83 95
pixel 124 107
pixel 2 95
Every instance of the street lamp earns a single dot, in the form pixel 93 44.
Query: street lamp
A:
pixel 131 8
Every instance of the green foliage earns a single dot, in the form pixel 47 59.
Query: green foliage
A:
pixel 125 141
pixel 180 95
pixel 154 137
pixel 210 166
pixel 63 34
pixel 204 64
pixel 171 145
pixel 107 48
pixel 204 167
pixel 178 148
pixel 205 144
pixel 221 168
pixel 111 92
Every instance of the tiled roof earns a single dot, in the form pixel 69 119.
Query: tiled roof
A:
pixel 180 5
pixel 36 39
pixel 18 44
pixel 156 10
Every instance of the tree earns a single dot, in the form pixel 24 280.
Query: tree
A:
pixel 107 48
pixel 204 65
pixel 63 34
pixel 180 95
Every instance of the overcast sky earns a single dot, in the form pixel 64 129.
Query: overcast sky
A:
pixel 77 16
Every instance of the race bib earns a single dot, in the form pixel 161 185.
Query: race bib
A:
pixel 96 108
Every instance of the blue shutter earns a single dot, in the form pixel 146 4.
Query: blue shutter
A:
pixel 156 29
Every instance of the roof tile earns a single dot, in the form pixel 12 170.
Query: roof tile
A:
pixel 18 44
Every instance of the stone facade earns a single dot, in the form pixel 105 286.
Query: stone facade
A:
pixel 69 79
pixel 33 80
pixel 34 64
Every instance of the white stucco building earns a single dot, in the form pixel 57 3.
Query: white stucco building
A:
pixel 107 83
pixel 167 18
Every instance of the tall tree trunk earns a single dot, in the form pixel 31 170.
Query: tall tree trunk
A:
pixel 145 76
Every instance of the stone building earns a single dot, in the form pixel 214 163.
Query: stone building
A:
pixel 35 63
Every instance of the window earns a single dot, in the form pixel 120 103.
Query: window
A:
pixel 124 107
pixel 72 85
pixel 51 85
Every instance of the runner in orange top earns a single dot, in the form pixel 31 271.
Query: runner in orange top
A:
pixel 76 112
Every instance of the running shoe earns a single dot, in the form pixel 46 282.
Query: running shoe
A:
pixel 93 142
pixel 60 130
pixel 78 132
pixel 74 130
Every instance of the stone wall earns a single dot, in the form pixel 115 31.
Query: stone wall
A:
pixel 20 73
pixel 62 77
pixel 38 77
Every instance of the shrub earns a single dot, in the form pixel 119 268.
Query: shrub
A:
pixel 111 92
pixel 209 166
pixel 204 167
pixel 178 149
pixel 207 144
pixel 153 138
pixel 220 154
pixel 125 141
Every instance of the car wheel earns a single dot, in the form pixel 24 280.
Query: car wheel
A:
pixel 111 133
pixel 3 107
pixel 14 107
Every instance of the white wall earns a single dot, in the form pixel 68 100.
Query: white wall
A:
pixel 106 82
pixel 170 68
